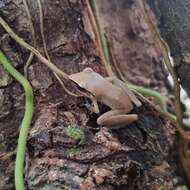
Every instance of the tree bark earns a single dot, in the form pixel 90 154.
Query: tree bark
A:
pixel 173 20
pixel 135 157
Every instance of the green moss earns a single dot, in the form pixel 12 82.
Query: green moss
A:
pixel 76 133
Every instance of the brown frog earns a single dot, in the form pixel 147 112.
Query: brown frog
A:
pixel 112 92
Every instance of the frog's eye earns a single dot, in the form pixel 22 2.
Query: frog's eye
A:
pixel 88 70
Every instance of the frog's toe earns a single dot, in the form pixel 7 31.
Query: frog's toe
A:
pixel 118 120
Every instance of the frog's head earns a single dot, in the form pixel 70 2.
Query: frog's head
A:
pixel 82 78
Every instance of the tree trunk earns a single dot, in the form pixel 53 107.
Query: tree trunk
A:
pixel 135 157
pixel 173 19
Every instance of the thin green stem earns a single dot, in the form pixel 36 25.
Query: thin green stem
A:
pixel 26 122
pixel 158 98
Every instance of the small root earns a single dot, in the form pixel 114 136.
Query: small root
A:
pixel 28 62
pixel 46 52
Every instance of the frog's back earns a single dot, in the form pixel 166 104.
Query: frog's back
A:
pixel 111 95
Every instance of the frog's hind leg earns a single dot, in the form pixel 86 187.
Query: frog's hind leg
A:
pixel 123 85
pixel 116 119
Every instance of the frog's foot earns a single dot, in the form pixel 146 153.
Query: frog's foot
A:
pixel 116 119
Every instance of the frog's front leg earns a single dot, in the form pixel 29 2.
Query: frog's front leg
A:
pixel 95 107
pixel 116 119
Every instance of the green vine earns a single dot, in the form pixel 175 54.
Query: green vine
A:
pixel 26 122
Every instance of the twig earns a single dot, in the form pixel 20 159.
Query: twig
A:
pixel 20 41
pixel 42 29
pixel 99 35
pixel 184 137
pixel 45 48
pixel 5 157
pixel 28 62
pixel 166 51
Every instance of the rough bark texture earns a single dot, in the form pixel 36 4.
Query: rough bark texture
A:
pixel 136 157
pixel 173 19
pixel 126 28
